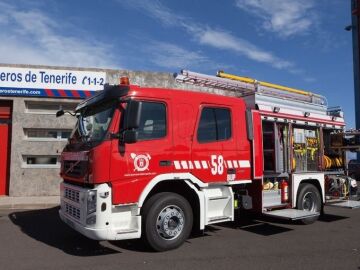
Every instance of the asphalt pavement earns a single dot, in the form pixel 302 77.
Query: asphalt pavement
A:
pixel 37 239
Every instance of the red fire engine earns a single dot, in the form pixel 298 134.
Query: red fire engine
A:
pixel 157 163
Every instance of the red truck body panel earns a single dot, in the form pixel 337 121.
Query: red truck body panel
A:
pixel 183 113
pixel 129 168
pixel 258 158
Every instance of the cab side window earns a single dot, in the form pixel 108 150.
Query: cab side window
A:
pixel 152 121
pixel 214 125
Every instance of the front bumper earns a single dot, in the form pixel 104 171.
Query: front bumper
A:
pixel 118 222
pixel 92 233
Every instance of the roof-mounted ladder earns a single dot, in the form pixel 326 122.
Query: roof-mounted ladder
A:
pixel 244 86
pixel 241 88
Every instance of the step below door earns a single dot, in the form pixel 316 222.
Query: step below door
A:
pixel 345 204
pixel 291 214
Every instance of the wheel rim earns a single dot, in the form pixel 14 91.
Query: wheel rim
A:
pixel 309 202
pixel 170 222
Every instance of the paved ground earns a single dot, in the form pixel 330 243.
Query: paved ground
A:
pixel 37 202
pixel 37 239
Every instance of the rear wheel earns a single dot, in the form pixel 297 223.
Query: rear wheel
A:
pixel 309 199
pixel 167 221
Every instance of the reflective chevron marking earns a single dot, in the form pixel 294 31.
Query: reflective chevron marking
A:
pixel 203 164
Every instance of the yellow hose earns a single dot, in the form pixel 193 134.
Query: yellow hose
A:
pixel 345 191
pixel 222 74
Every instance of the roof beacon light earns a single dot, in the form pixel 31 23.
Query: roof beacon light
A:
pixel 276 109
pixel 124 81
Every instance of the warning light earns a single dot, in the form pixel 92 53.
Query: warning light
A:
pixel 124 81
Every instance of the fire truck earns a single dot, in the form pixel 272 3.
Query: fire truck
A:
pixel 157 163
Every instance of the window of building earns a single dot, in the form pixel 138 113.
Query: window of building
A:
pixel 152 121
pixel 38 134
pixel 65 134
pixel 215 125
pixel 39 161
pixel 46 107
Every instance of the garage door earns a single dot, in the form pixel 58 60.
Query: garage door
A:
pixel 5 128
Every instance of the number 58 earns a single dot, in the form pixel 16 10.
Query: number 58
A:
pixel 217 164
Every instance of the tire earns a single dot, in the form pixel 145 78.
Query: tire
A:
pixel 309 199
pixel 167 221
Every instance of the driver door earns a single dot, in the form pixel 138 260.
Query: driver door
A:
pixel 137 164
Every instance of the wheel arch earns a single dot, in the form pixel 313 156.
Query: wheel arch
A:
pixel 182 187
pixel 317 185
pixel 316 179
pixel 314 182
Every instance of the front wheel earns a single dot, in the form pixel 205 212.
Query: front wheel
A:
pixel 167 222
pixel 309 199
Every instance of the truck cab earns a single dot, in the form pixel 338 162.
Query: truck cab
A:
pixel 133 143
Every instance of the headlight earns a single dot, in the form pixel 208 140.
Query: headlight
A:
pixel 91 201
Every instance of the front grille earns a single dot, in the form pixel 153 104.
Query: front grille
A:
pixel 72 195
pixel 75 168
pixel 72 211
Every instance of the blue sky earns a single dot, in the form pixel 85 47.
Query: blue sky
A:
pixel 299 43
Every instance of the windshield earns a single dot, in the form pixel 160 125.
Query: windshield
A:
pixel 93 123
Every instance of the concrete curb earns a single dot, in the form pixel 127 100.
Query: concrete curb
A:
pixel 29 202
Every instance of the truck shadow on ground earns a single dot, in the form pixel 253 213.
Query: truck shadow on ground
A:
pixel 258 225
pixel 45 226
pixel 261 225
pixel 139 246
pixel 267 226
pixel 331 218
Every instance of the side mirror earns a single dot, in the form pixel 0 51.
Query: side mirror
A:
pixel 60 113
pixel 130 136
pixel 132 115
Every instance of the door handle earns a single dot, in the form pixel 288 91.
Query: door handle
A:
pixel 165 163
pixel 231 171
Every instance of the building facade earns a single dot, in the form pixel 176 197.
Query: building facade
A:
pixel 31 137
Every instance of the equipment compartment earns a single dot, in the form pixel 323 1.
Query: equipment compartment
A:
pixel 306 145
pixel 275 147
pixel 271 198
pixel 333 159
